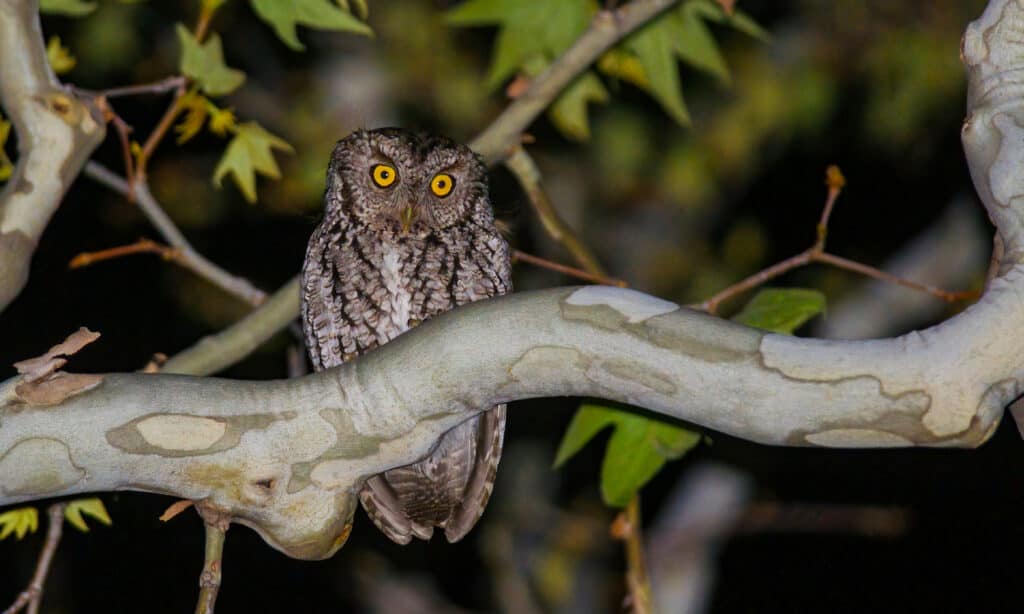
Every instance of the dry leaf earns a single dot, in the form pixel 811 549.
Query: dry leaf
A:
pixel 176 508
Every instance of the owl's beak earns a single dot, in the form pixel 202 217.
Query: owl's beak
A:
pixel 407 217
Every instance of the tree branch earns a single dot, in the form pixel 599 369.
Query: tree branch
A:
pixel 288 457
pixel 187 255
pixel 56 134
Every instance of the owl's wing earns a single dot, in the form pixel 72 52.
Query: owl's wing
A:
pixel 490 437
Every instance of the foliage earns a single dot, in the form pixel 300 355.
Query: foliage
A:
pixel 6 166
pixel 59 56
pixel 781 310
pixel 531 36
pixel 92 507
pixel 637 448
pixel 204 64
pixel 248 153
pixel 285 16
pixel 71 8
pixel 19 522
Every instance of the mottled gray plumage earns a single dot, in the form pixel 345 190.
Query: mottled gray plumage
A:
pixel 386 257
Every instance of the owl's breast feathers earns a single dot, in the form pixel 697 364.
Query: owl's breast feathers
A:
pixel 360 290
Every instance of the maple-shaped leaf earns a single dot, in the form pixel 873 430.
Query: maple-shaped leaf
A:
pixel 204 63
pixel 71 8
pixel 569 111
pixel 20 521
pixel 92 506
pixel 638 448
pixel 248 153
pixel 528 30
pixel 284 15
pixel 59 56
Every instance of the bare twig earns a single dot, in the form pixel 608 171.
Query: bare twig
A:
pixel 521 256
pixel 157 87
pixel 186 254
pixel 627 528
pixel 816 253
pixel 209 580
pixel 142 246
pixel 33 595
pixel 528 175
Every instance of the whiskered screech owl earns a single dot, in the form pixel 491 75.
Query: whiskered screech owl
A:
pixel 408 233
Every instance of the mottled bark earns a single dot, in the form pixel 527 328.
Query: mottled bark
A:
pixel 287 457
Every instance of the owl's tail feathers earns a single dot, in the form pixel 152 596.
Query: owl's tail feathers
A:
pixel 490 437
pixel 449 488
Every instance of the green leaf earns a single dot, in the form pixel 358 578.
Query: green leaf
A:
pixel 588 421
pixel 695 45
pixel 654 46
pixel 569 111
pixel 637 449
pixel 205 64
pixel 248 153
pixel 738 20
pixel 284 15
pixel 529 30
pixel 92 506
pixel 6 166
pixel 20 522
pixel 781 310
pixel 71 8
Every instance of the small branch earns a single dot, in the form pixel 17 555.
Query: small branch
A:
pixel 521 256
pixel 142 246
pixel 816 253
pixel 216 352
pixel 209 580
pixel 33 595
pixel 157 87
pixel 627 528
pixel 186 254
pixel 528 175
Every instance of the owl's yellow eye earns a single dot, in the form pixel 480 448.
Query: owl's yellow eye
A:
pixel 384 175
pixel 442 184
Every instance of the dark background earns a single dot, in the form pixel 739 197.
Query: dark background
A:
pixel 874 86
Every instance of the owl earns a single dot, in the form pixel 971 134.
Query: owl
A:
pixel 408 233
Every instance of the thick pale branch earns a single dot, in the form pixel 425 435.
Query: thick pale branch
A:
pixel 56 134
pixel 287 457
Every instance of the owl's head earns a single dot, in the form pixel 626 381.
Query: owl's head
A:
pixel 406 183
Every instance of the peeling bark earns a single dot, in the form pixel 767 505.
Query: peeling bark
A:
pixel 288 457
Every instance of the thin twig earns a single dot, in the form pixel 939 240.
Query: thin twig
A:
pixel 33 595
pixel 816 253
pixel 522 256
pixel 528 175
pixel 209 579
pixel 627 527
pixel 142 246
pixel 863 269
pixel 187 255
pixel 157 87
